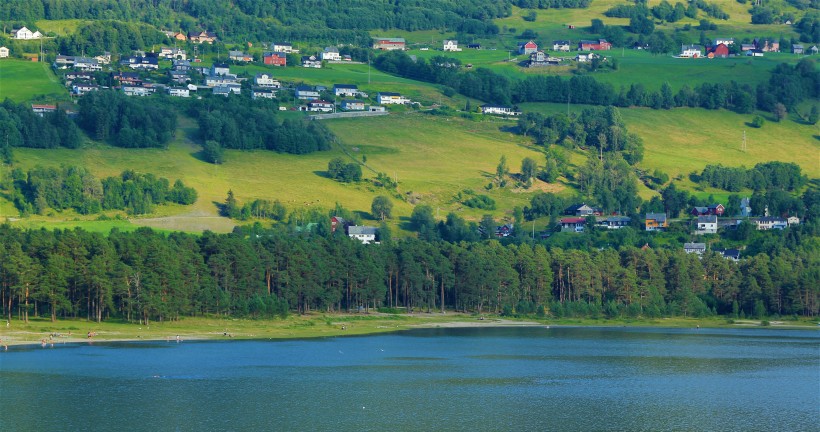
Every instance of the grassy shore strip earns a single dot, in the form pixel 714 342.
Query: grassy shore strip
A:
pixel 319 325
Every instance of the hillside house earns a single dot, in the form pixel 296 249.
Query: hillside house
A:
pixel 691 51
pixel 451 45
pixel 304 92
pixel 599 45
pixel 389 44
pixel 747 47
pixel 719 51
pixel 127 78
pixel 540 58
pixel 178 77
pixel 572 224
pixel 141 63
pixel 527 48
pixel 4 52
pixel 337 222
pixel 586 57
pixel 240 56
pixel 767 45
pixel 388 98
pixel 221 80
pixel 320 106
pixel 499 110
pixel 814 50
pixel 561 46
pixel 311 62
pixel 173 53
pixel 793 220
pixel 725 41
pixel 769 223
pixel 104 58
pixel 43 109
pixel 283 47
pixel 179 91
pixel 796 49
pixel 614 222
pixel 80 89
pixel 87 64
pixel 137 91
pixel 706 225
pixel 63 61
pixel 266 80
pixel 263 93
pixel 712 209
pixel 331 54
pixel 181 65
pixel 275 58
pixel 364 234
pixel 202 37
pixel 25 34
pixel 352 105
pixel 695 248
pixel 220 69
pixel 656 222
pixel 350 90
pixel 582 210
pixel 729 254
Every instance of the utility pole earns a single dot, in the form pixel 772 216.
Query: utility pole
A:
pixel 743 148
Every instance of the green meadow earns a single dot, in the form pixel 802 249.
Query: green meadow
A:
pixel 24 80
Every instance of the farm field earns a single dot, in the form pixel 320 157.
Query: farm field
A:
pixel 23 80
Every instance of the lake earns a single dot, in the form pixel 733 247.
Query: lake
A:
pixel 486 379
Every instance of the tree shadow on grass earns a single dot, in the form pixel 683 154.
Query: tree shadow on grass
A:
pixel 323 174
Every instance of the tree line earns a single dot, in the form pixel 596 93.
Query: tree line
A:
pixel 787 85
pixel 124 121
pixel 767 175
pixel 69 187
pixel 145 276
pixel 21 127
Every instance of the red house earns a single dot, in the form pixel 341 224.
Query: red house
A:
pixel 275 58
pixel 599 45
pixel 712 209
pixel 719 50
pixel 527 48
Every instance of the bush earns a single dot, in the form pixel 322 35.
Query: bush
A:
pixel 482 202
pixel 758 122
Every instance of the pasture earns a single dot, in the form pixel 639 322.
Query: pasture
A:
pixel 24 80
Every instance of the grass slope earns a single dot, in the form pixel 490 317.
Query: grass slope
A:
pixel 24 80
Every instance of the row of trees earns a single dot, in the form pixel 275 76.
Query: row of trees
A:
pixel 145 276
pixel 787 85
pixel 21 127
pixel 75 188
pixel 767 175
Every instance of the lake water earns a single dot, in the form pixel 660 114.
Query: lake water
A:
pixel 487 379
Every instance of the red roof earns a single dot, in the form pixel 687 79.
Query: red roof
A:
pixel 573 220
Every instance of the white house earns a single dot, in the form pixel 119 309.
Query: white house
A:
pixel 498 109
pixel 173 53
pixel 179 91
pixel 364 234
pixel 215 81
pixel 388 98
pixel 240 56
pixel 83 88
pixel 691 51
pixel 4 52
pixel 266 80
pixel 87 64
pixel 284 47
pixel 561 45
pixel 350 90
pixel 137 91
pixel 707 224
pixel 331 54
pixel 306 92
pixel 220 69
pixel 320 106
pixel 725 41
pixel 25 33
pixel 695 248
pixel 768 223
pixel 352 105
pixel 451 45
pixel 311 62
pixel 586 57
pixel 263 93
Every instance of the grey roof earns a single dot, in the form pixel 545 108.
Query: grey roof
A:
pixel 361 230
pixel 701 246
pixel 345 86
pixel 656 216
pixel 707 219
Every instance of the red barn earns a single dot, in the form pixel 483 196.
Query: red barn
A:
pixel 599 45
pixel 719 50
pixel 275 58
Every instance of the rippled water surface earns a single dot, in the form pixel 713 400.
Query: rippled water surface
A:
pixel 486 379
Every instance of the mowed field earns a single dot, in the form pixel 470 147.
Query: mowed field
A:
pixel 24 80
pixel 433 158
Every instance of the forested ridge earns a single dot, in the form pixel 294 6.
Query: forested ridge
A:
pixel 145 276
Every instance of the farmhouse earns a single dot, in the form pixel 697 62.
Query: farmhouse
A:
pixel 719 50
pixel 275 58
pixel 311 62
pixel 712 209
pixel 283 47
pixel 337 222
pixel 614 222
pixel 25 34
pixel 331 54
pixel 240 56
pixel 572 224
pixel 352 105
pixel 202 37
pixel 364 234
pixel 656 222
pixel 387 98
pixel 691 51
pixel 86 64
pixel 266 80
pixel 599 45
pixel 451 45
pixel 768 223
pixel 706 225
pixel 796 49
pixel 527 47
pixel 4 52
pixel 560 45
pixel 581 210
pixel 499 109
pixel 144 63
pixel 389 44
pixel 539 58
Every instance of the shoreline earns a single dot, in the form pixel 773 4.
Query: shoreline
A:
pixel 48 334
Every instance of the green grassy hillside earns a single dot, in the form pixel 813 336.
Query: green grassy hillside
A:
pixel 24 80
